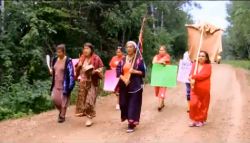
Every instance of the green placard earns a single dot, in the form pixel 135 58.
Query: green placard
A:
pixel 164 76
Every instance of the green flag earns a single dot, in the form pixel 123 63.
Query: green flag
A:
pixel 164 76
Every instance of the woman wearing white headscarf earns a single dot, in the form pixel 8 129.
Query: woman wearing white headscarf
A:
pixel 130 89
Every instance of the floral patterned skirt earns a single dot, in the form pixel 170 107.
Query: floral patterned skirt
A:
pixel 87 95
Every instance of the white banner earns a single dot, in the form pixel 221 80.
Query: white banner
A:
pixel 184 71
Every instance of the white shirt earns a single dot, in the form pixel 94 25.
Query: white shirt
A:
pixel 186 56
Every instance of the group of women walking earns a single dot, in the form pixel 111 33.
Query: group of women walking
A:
pixel 129 90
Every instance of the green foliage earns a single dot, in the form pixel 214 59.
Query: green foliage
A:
pixel 31 30
pixel 237 41
pixel 23 99
pixel 147 78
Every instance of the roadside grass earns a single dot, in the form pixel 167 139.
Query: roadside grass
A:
pixel 245 64
pixel 238 63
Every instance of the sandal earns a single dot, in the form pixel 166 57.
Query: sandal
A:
pixel 61 119
pixel 89 123
pixel 199 124
pixel 79 115
pixel 160 108
pixel 191 124
pixel 131 128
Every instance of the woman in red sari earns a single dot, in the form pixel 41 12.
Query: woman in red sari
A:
pixel 200 93
pixel 162 58
pixel 113 64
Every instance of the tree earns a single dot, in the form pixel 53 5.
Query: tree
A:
pixel 239 30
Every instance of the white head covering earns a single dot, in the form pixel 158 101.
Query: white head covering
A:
pixel 133 43
pixel 186 56
pixel 219 57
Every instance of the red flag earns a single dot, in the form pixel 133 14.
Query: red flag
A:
pixel 141 48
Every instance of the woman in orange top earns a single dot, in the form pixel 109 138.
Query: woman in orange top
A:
pixel 113 64
pixel 161 58
pixel 116 59
pixel 200 94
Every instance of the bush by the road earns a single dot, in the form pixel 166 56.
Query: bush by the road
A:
pixel 22 99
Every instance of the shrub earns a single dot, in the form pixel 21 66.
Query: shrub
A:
pixel 21 98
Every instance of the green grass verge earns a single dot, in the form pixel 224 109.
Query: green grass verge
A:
pixel 245 64
pixel 238 63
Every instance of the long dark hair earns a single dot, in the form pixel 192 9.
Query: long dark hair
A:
pixel 207 57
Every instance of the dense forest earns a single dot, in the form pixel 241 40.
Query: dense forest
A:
pixel 236 40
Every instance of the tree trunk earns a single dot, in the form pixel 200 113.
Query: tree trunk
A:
pixel 248 51
pixel 123 36
pixel 162 19
pixel 2 10
pixel 152 15
pixel 1 75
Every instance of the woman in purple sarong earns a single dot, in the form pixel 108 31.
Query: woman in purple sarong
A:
pixel 130 90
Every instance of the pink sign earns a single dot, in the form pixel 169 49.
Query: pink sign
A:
pixel 110 80
pixel 74 62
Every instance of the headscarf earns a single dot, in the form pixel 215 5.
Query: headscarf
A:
pixel 138 57
pixel 133 43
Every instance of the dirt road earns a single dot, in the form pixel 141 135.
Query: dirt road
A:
pixel 228 120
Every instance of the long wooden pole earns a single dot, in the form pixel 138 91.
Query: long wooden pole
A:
pixel 197 57
pixel 137 49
